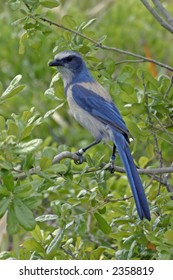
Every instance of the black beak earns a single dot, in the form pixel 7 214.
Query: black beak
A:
pixel 55 62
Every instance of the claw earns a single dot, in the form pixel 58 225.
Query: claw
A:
pixel 112 160
pixel 80 155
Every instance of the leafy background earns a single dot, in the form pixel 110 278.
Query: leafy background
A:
pixel 69 211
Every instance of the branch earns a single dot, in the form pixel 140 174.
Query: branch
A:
pixel 169 88
pixel 74 156
pixel 166 25
pixel 163 11
pixel 104 47
pixel 158 151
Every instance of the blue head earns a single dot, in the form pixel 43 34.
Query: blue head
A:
pixel 71 67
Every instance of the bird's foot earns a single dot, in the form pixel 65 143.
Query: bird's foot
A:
pixel 80 155
pixel 111 162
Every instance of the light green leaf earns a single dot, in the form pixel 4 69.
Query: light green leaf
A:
pixel 49 3
pixel 68 21
pixel 37 234
pixel 97 253
pixel 53 110
pixel 57 168
pixel 2 123
pixel 133 128
pixel 21 42
pixel 169 236
pixel 26 132
pixel 11 93
pixel 45 218
pixel 55 243
pixel 33 245
pixel 1 88
pixel 28 147
pixel 143 161
pixel 13 88
pixel 45 163
pixel 89 23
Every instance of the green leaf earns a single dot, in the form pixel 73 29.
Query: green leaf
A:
pixel 169 236
pixel 27 147
pixel 4 203
pixel 26 132
pixel 8 179
pixel 97 253
pixel 2 123
pixel 133 128
pixel 138 108
pixel 33 201
pixel 102 223
pixel 12 128
pixel 23 38
pixel 57 168
pixel 37 234
pixel 12 222
pixel 12 92
pixel 23 214
pixel 45 218
pixel 68 21
pixel 13 88
pixel 33 245
pixel 49 3
pixel 45 163
pixel 143 161
pixel 88 23
pixel 56 241
pixel 50 112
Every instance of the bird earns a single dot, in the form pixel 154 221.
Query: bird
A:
pixel 92 106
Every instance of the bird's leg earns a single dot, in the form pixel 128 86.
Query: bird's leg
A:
pixel 112 159
pixel 83 150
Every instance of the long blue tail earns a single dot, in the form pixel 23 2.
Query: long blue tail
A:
pixel 133 176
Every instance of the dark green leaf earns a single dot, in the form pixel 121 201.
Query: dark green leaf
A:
pixel 12 222
pixel 102 223
pixel 23 214
pixel 8 180
pixel 4 203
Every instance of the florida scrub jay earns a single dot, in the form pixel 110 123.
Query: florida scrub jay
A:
pixel 93 108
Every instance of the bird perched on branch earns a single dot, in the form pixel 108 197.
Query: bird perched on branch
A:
pixel 93 108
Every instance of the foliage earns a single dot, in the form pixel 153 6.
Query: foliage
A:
pixel 64 210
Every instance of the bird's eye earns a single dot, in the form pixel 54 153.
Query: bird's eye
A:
pixel 69 58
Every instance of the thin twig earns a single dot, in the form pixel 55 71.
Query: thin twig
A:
pixel 166 25
pixel 66 154
pixel 158 151
pixel 163 129
pixel 163 11
pixel 68 252
pixel 130 61
pixel 101 46
pixel 169 88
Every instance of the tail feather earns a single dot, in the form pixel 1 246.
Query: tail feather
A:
pixel 133 176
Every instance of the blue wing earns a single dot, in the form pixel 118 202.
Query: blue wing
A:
pixel 103 110
pixel 106 112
